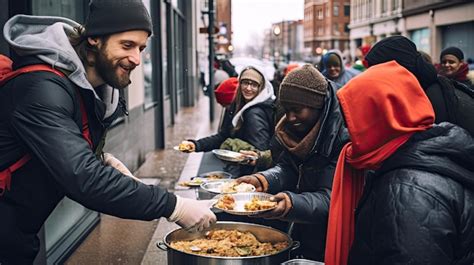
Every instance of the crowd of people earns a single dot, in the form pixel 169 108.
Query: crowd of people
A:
pixel 368 164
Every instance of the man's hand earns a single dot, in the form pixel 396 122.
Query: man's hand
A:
pixel 283 207
pixel 110 160
pixel 193 215
pixel 252 155
pixel 251 179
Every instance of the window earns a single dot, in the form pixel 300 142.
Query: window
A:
pixel 64 8
pixel 347 10
pixel 320 14
pixel 346 27
pixel 336 29
pixel 336 10
pixel 320 30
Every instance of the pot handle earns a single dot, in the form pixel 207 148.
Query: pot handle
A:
pixel 161 245
pixel 295 245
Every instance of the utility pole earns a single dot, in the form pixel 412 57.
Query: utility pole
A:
pixel 210 89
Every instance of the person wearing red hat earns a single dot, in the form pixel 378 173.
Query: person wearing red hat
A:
pixel 361 64
pixel 225 92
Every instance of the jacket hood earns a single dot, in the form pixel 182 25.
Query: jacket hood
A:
pixel 445 149
pixel 345 75
pixel 46 38
pixel 267 93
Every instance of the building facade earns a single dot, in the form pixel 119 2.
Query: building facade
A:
pixel 224 25
pixel 326 25
pixel 166 81
pixel 431 24
pixel 434 25
pixel 283 42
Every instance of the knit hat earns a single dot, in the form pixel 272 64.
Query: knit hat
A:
pixel 251 74
pixel 225 92
pixel 114 16
pixel 453 51
pixel 304 86
pixel 364 49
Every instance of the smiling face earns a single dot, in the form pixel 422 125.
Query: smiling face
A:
pixel 450 64
pixel 119 55
pixel 300 119
pixel 249 89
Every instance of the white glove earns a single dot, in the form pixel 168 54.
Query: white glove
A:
pixel 193 215
pixel 110 160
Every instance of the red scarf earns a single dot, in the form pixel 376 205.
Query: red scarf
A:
pixel 383 108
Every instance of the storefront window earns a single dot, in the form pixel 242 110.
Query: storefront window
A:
pixel 421 38
pixel 148 68
pixel 65 8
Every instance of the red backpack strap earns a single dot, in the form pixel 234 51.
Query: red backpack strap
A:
pixel 6 73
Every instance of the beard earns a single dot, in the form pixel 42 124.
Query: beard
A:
pixel 109 71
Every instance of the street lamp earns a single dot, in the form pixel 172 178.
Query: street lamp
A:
pixel 276 33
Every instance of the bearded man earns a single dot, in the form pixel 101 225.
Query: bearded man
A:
pixel 52 123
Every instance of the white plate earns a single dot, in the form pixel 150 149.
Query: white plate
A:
pixel 241 199
pixel 216 186
pixel 231 156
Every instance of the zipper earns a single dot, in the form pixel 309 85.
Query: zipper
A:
pixel 300 175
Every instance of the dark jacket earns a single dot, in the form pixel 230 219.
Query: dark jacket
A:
pixel 40 115
pixel 309 182
pixel 452 102
pixel 418 208
pixel 257 128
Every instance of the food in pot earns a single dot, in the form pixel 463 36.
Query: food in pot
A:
pixel 258 205
pixel 226 202
pixel 229 243
pixel 233 186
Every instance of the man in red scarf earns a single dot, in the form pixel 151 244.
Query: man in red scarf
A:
pixel 403 190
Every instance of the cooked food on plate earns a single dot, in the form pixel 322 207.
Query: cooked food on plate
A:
pixel 257 205
pixel 184 147
pixel 229 243
pixel 233 186
pixel 226 202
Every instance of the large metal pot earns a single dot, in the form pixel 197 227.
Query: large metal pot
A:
pixel 262 233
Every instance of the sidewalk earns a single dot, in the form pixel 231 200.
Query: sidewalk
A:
pixel 121 241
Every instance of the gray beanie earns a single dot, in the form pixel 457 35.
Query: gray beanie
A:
pixel 113 16
pixel 304 86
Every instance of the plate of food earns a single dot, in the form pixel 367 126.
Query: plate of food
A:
pixel 247 203
pixel 227 186
pixel 214 176
pixel 231 156
pixel 195 182
pixel 184 147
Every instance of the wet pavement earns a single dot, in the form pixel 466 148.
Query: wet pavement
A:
pixel 121 241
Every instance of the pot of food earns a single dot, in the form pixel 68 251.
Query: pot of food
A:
pixel 228 243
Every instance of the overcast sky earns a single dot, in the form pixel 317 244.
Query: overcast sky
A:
pixel 252 17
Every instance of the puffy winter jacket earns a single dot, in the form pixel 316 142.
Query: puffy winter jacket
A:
pixel 309 182
pixel 418 208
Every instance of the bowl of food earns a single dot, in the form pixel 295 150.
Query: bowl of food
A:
pixel 228 243
pixel 210 189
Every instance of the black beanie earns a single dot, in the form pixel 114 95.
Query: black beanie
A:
pixel 113 16
pixel 453 51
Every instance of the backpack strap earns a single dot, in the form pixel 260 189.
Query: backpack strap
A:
pixel 7 74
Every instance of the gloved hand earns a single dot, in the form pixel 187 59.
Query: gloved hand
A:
pixel 235 144
pixel 193 215
pixel 283 207
pixel 110 160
